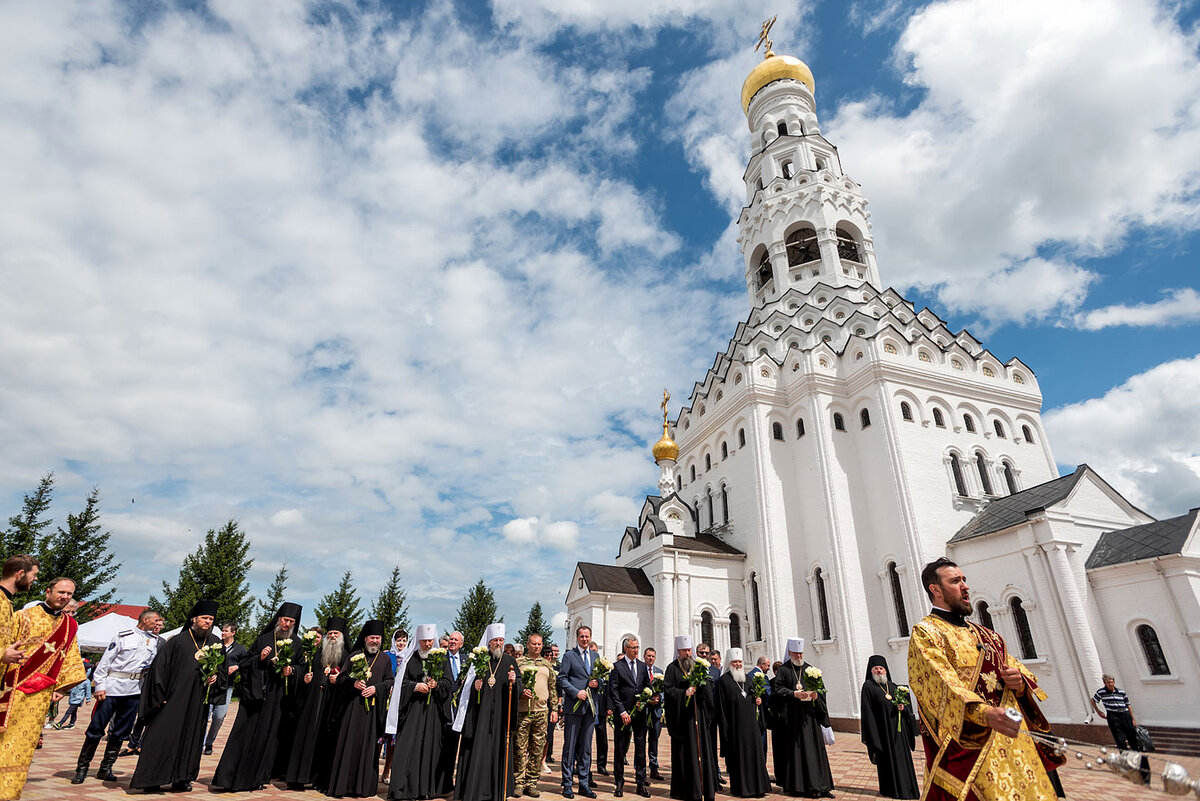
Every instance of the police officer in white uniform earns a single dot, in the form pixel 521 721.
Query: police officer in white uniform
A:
pixel 118 682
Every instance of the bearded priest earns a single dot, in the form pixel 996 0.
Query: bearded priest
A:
pixel 801 763
pixel 739 719
pixel 419 716
pixel 487 718
pixel 316 688
pixel 688 709
pixel 889 731
pixel 364 682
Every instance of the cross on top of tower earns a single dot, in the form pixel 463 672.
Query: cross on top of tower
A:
pixel 764 37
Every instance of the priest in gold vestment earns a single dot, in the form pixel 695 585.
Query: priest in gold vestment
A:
pixel 965 682
pixel 51 666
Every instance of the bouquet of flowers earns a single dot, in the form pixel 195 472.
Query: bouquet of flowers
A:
pixel 642 703
pixel 211 658
pixel 283 659
pixel 435 666
pixel 758 688
pixel 697 676
pixel 600 672
pixel 528 677
pixel 812 680
pixel 900 699
pixel 481 660
pixel 308 647
pixel 360 672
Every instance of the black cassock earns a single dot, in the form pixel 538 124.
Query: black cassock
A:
pixel 253 741
pixel 354 771
pixel 801 764
pixel 738 719
pixel 693 757
pixel 311 698
pixel 175 712
pixel 889 736
pixel 418 771
pixel 483 772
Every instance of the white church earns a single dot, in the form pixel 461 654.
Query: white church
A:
pixel 844 438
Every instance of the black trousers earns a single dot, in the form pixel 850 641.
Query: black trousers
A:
pixel 652 736
pixel 120 711
pixel 1125 736
pixel 621 737
pixel 601 755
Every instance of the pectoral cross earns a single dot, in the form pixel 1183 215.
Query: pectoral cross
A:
pixel 764 37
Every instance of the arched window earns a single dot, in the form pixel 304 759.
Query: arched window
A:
pixel 996 424
pixel 969 422
pixel 706 628
pixel 756 612
pixel 765 275
pixel 802 247
pixel 782 128
pixel 789 169
pixel 741 437
pixel 1156 660
pixel 985 615
pixel 906 411
pixel 724 450
pixel 960 486
pixel 799 427
pixel 712 520
pixel 939 419
pixel 777 431
pixel 864 417
pixel 708 461
pixel 898 599
pixel 735 630
pixel 725 503
pixel 838 422
pixel 1024 635
pixel 1010 478
pixel 822 603
pixel 984 478
pixel 693 473
pixel 847 246
pixel 1026 433
pixel 678 483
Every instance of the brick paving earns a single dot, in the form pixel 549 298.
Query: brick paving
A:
pixel 853 774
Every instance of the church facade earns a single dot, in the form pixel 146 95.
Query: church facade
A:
pixel 845 438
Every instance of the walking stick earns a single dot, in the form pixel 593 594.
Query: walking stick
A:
pixel 699 756
pixel 507 742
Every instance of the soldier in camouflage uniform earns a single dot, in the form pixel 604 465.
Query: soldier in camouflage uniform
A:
pixel 538 703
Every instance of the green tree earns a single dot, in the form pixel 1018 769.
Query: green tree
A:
pixel 537 624
pixel 270 605
pixel 80 552
pixel 26 531
pixel 478 609
pixel 216 571
pixel 391 606
pixel 343 602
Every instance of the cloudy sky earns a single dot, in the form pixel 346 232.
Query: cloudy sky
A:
pixel 402 283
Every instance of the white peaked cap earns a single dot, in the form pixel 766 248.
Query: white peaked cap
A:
pixel 795 645
pixel 683 641
pixel 734 654
pixel 493 631
pixel 426 631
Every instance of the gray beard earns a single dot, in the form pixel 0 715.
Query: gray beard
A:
pixel 371 649
pixel 332 651
pixel 686 663
pixel 423 654
pixel 739 675
pixel 882 680
pixel 280 634
pixel 498 653
pixel 795 661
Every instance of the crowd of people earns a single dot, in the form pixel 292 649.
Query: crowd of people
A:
pixel 317 711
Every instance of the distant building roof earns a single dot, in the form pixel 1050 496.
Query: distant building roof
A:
pixel 1013 509
pixel 1160 538
pixel 128 610
pixel 609 578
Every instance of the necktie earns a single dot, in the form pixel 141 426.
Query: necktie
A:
pixel 454 666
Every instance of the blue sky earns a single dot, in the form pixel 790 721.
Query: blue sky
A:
pixel 401 283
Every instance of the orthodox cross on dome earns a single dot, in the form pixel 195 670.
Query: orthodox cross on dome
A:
pixel 666 397
pixel 764 37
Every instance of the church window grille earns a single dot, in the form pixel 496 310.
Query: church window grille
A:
pixel 741 437
pixel 989 372
pixel 888 347
pixel 984 477
pixel 765 275
pixel 777 431
pixel 1156 660
pixel 735 630
pixel 847 246
pixel 923 356
pixel 898 599
pixel 864 417
pixel 838 422
pixel 707 461
pixel 693 473
pixel 757 609
pixel 822 603
pixel 706 628
pixel 782 128
pixel 802 247
pixel 969 422
pixel 996 424
pixel 724 450
pixel 708 497
pixel 799 427
pixel 724 504
pixel 960 485
pixel 985 615
pixel 939 419
pixel 1024 634
pixel 1027 433
pixel 906 411
pixel 1010 478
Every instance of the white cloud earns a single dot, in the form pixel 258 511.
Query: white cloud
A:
pixel 287 518
pixel 1142 436
pixel 1177 307
pixel 562 534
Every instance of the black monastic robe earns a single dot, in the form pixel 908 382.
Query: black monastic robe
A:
pixel 801 764
pixel 418 771
pixel 484 774
pixel 250 751
pixel 174 708
pixel 693 756
pixel 738 719
pixel 312 698
pixel 354 771
pixel 889 736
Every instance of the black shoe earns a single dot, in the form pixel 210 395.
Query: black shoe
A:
pixel 567 793
pixel 181 787
pixel 643 791
pixel 587 792
pixel 131 752
pixel 79 776
pixel 618 792
pixel 658 777
pixel 106 775
pixel 208 750
pixel 603 771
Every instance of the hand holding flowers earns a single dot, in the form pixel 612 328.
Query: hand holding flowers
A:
pixel 283 660
pixel 435 666
pixel 900 700
pixel 697 677
pixel 211 658
pixel 360 672
pixel 481 660
pixel 308 647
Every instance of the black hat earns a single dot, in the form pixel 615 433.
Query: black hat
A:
pixel 286 609
pixel 203 607
pixel 372 628
pixel 877 661
pixel 336 623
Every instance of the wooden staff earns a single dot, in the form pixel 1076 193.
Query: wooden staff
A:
pixel 507 740
pixel 699 756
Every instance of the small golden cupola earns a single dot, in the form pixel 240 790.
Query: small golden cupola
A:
pixel 773 68
pixel 665 448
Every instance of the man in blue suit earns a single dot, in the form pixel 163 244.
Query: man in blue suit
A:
pixel 576 688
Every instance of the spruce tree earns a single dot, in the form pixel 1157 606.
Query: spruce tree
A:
pixel 80 552
pixel 26 531
pixel 270 605
pixel 343 602
pixel 537 624
pixel 391 606
pixel 216 571
pixel 477 611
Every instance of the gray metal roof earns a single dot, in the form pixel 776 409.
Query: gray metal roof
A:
pixel 705 543
pixel 1013 509
pixel 1160 538
pixel 609 578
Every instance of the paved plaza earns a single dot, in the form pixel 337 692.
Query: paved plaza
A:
pixel 853 774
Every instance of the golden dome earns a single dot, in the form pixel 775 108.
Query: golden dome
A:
pixel 665 448
pixel 775 68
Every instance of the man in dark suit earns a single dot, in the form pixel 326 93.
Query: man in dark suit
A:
pixel 654 729
pixel 627 680
pixel 577 689
pixel 762 667
pixel 714 675
pixel 600 755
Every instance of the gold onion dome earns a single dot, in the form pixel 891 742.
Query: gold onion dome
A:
pixel 775 68
pixel 665 448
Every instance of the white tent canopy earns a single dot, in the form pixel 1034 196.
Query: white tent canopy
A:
pixel 95 635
